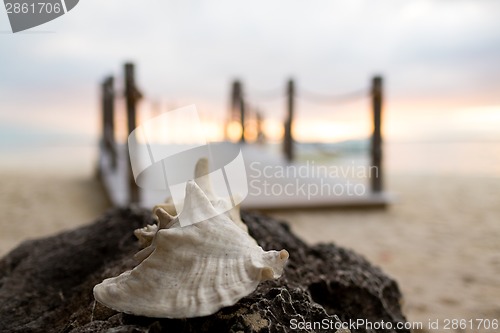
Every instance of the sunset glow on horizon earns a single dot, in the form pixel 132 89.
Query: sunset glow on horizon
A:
pixel 400 123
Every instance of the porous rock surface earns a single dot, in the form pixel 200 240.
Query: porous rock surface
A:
pixel 46 285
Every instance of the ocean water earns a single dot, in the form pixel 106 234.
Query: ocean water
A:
pixel 41 150
pixel 438 157
pixel 454 158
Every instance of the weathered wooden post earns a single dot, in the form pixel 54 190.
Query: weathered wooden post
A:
pixel 288 137
pixel 376 172
pixel 234 99
pixel 233 102
pixel 108 119
pixel 132 95
pixel 240 104
pixel 261 138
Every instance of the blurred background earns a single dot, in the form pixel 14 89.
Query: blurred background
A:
pixel 439 60
pixel 441 118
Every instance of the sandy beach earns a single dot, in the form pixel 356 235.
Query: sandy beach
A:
pixel 37 205
pixel 440 240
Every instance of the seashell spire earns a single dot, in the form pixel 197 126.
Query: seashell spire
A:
pixel 222 205
pixel 194 270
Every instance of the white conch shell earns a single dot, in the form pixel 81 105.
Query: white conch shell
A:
pixel 165 212
pixel 194 270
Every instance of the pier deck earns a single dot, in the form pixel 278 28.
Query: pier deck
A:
pixel 273 183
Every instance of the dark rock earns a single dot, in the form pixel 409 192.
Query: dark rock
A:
pixel 46 284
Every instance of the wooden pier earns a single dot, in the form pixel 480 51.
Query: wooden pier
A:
pixel 267 189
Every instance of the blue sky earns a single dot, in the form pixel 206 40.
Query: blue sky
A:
pixel 440 60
